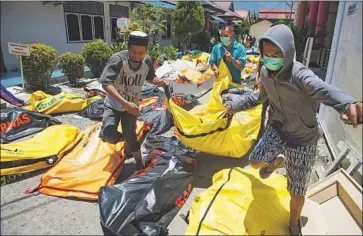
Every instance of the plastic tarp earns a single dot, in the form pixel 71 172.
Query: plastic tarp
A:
pixel 43 150
pixel 252 52
pixel 60 103
pixel 170 69
pixel 200 57
pixel 147 202
pixel 151 91
pixel 212 129
pixel 193 76
pixel 16 123
pixel 93 111
pixel 90 165
pixel 93 89
pixel 240 203
pixel 10 98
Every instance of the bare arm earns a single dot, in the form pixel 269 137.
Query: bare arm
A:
pixel 158 82
pixel 237 64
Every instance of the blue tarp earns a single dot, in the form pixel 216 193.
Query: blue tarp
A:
pixel 218 19
pixel 163 4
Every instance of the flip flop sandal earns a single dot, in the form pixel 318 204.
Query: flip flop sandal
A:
pixel 266 171
pixel 295 229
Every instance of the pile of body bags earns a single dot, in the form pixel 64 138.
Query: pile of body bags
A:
pixel 211 128
pixel 82 164
pixel 86 168
pixel 191 69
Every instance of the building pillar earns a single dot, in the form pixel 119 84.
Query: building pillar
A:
pixel 301 14
pixel 107 21
pixel 321 21
pixel 313 12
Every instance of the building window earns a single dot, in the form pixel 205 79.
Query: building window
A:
pixel 114 28
pixel 116 12
pixel 84 21
pixel 98 25
pixel 72 22
pixel 167 33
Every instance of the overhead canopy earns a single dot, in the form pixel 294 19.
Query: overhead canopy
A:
pixel 163 4
pixel 219 19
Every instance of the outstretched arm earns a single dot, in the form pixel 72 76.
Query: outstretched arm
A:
pixel 243 99
pixel 349 108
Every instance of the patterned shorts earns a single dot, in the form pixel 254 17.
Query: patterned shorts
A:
pixel 299 159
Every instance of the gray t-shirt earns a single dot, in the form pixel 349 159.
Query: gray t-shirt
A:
pixel 127 81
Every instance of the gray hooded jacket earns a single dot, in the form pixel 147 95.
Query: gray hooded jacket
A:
pixel 295 93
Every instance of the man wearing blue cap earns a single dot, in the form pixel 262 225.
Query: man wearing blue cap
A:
pixel 122 79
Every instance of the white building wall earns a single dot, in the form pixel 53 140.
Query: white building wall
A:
pixel 29 22
pixel 258 29
pixel 347 75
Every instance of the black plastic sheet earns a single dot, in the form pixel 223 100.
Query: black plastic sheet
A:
pixel 146 203
pixel 16 123
pixel 93 111
pixel 151 91
pixel 187 102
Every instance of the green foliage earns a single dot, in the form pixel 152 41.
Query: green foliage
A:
pixel 96 54
pixel 151 19
pixel 242 29
pixel 300 38
pixel 133 26
pixel 72 65
pixel 252 19
pixel 212 42
pixel 118 47
pixel 170 53
pixel 39 66
pixel 188 20
pixel 154 51
pixel 202 40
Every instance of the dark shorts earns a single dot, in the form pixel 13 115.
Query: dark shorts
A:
pixel 299 159
pixel 111 120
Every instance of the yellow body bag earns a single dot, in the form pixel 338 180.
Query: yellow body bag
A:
pixel 240 203
pixel 89 166
pixel 43 150
pixel 211 129
pixel 202 57
pixel 60 103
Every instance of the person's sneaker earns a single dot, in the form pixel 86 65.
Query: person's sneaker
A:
pixel 266 171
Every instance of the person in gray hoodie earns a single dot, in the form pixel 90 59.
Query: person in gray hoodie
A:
pixel 294 93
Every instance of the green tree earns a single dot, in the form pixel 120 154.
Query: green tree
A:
pixel 252 19
pixel 151 19
pixel 188 20
pixel 133 26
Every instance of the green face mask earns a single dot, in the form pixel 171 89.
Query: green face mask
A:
pixel 225 41
pixel 272 63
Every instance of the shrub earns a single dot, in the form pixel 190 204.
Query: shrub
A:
pixel 170 53
pixel 118 47
pixel 72 65
pixel 39 66
pixel 203 41
pixel 133 26
pixel 96 54
pixel 154 51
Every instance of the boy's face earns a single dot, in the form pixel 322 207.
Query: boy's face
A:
pixel 137 53
pixel 271 50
